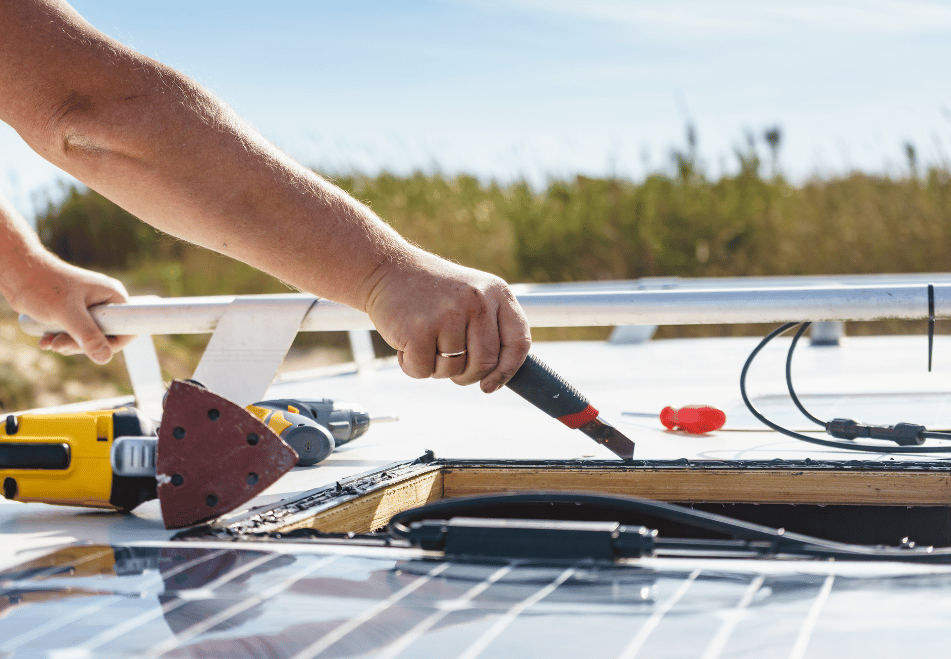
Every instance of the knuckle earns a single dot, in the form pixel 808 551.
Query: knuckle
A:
pixel 474 373
pixel 483 301
pixel 522 340
pixel 416 368
pixel 486 365
pixel 92 339
pixel 413 372
pixel 483 369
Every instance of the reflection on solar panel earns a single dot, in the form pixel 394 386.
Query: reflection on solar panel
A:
pixel 176 600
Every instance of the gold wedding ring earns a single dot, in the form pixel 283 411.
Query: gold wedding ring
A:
pixel 452 354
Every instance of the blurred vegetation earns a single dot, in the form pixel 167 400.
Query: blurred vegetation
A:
pixel 681 222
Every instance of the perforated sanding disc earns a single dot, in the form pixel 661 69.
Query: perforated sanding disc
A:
pixel 213 456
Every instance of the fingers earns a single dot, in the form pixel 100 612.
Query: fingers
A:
pixel 425 306
pixel 447 360
pixel 451 341
pixel 83 333
pixel 65 345
pixel 418 357
pixel 61 343
pixel 516 339
pixel 482 341
pixel 495 339
pixel 85 336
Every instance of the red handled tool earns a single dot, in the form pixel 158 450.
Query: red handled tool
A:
pixel 695 419
pixel 546 390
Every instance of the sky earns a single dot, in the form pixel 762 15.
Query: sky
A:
pixel 543 89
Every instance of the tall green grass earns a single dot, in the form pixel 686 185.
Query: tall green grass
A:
pixel 681 223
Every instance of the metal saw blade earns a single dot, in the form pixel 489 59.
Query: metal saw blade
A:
pixel 213 456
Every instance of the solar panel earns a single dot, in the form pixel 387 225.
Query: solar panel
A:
pixel 320 602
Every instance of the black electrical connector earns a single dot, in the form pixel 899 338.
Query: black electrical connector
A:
pixel 447 526
pixel 903 434
pixel 531 538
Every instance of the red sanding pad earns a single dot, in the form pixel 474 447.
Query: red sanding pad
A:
pixel 213 456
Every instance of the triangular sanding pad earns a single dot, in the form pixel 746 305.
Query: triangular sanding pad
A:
pixel 213 456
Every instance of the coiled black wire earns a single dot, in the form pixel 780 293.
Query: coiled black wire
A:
pixel 848 444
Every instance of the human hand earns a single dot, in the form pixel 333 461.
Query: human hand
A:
pixel 61 294
pixel 423 306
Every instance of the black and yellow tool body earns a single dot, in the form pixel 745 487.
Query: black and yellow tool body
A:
pixel 314 427
pixel 68 458
pixel 209 457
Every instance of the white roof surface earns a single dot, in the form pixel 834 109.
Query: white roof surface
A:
pixel 875 379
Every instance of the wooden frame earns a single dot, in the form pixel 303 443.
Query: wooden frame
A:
pixel 365 503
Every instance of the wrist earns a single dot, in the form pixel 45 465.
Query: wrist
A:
pixel 402 266
pixel 35 270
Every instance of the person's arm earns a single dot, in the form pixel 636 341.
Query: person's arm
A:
pixel 36 282
pixel 162 147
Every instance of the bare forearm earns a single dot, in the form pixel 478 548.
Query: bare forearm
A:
pixel 36 282
pixel 165 149
pixel 223 187
pixel 19 245
pixel 168 151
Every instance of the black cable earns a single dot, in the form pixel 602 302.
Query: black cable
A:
pixel 848 445
pixel 930 324
pixel 923 434
pixel 789 385
pixel 775 541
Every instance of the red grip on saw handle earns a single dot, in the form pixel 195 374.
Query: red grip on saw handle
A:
pixel 546 390
pixel 695 419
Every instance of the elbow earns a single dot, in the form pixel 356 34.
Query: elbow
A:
pixel 67 134
pixel 126 120
pixel 60 132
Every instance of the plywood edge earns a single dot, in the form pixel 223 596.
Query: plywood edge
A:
pixel 775 486
pixel 371 511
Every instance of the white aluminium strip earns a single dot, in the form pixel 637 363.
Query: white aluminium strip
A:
pixel 691 283
pixel 735 305
pixel 565 309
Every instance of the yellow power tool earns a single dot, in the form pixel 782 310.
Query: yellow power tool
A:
pixel 100 459
pixel 209 457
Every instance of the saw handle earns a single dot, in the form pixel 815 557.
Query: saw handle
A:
pixel 548 391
